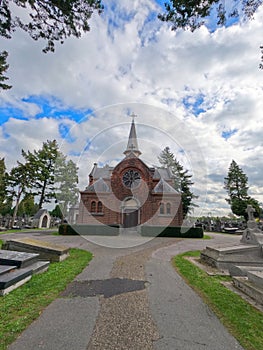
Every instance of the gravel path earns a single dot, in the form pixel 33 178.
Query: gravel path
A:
pixel 165 315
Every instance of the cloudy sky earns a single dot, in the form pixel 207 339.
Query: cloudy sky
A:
pixel 198 93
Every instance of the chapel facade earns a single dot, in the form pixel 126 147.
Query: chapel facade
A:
pixel 130 194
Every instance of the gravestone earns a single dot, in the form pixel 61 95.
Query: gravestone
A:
pixel 243 261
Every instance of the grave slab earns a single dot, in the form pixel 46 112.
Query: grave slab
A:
pixel 256 277
pixel 14 278
pixel 249 288
pixel 46 250
pixel 19 259
pixel 6 268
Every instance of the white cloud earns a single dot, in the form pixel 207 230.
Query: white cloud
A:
pixel 131 57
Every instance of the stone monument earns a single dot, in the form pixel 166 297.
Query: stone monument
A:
pixel 243 261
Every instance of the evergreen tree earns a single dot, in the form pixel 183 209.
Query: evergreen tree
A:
pixel 3 68
pixel 66 183
pixel 56 212
pixel 182 180
pixel 236 185
pixel 27 206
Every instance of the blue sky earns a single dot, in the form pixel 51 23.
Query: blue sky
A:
pixel 203 90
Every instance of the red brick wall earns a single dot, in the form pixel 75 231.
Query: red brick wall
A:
pixel 149 203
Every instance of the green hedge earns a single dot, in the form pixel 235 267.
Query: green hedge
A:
pixel 89 230
pixel 172 231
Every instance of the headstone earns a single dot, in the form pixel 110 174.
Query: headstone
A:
pixel 252 234
pixel 243 261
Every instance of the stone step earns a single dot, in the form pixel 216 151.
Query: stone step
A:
pixel 239 270
pixel 14 279
pixel 256 277
pixel 249 288
pixel 6 268
pixel 46 250
pixel 241 249
pixel 19 259
pixel 39 267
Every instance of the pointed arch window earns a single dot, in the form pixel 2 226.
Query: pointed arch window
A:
pixel 99 210
pixel 93 207
pixel 161 208
pixel 168 208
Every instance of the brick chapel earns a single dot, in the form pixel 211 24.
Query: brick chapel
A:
pixel 130 194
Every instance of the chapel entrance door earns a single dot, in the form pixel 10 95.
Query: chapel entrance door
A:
pixel 130 218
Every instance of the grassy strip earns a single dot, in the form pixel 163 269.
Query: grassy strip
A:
pixel 23 305
pixel 241 319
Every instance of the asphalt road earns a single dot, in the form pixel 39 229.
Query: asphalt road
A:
pixel 163 313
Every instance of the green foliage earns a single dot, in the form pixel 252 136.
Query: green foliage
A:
pixel 49 20
pixel 5 203
pixel 23 305
pixel 172 231
pixel 52 21
pixel 89 230
pixel 56 212
pixel 27 206
pixel 191 14
pixel 241 319
pixel 66 178
pixel 41 164
pixel 3 68
pixel 182 180
pixel 236 185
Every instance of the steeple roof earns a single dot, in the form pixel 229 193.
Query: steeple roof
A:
pixel 132 146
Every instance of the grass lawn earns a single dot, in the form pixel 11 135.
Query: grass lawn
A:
pixel 239 317
pixel 23 305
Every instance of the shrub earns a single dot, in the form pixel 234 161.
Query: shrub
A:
pixel 172 231
pixel 96 230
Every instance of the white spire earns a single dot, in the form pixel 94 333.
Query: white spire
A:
pixel 132 146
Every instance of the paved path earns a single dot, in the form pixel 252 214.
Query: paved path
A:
pixel 163 314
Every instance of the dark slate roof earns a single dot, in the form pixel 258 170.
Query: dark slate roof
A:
pixel 162 173
pixel 98 186
pixel 40 213
pixel 104 173
pixel 164 187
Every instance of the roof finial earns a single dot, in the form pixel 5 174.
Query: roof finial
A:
pixel 133 115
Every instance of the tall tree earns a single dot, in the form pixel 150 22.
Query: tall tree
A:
pixel 5 203
pixel 27 206
pixel 66 177
pixel 236 185
pixel 182 179
pixel 42 165
pixel 51 20
pixel 19 184
pixel 191 14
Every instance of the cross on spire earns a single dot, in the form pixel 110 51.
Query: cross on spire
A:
pixel 133 115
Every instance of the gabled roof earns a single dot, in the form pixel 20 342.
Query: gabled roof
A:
pixel 162 173
pixel 40 213
pixel 164 187
pixel 104 173
pixel 98 186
